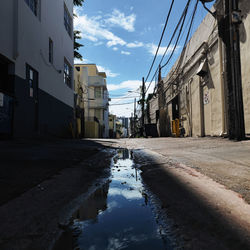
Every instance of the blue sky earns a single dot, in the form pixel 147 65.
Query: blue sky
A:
pixel 121 37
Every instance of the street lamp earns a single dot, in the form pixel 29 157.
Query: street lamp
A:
pixel 208 1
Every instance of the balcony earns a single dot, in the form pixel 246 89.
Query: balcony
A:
pixel 98 103
pixel 97 81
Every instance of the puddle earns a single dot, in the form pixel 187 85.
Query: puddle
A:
pixel 118 215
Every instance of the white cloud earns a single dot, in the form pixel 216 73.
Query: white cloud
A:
pixel 83 61
pixel 135 44
pixel 119 19
pixel 130 85
pixel 108 72
pixel 92 29
pixel 98 44
pixel 125 52
pixel 115 48
pixel 128 97
pixel 152 49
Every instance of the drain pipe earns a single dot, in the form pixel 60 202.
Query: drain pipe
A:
pixel 222 84
pixel 15 30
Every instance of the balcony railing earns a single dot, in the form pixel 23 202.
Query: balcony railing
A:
pixel 97 81
pixel 98 103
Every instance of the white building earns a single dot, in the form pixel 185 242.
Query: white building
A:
pixel 96 99
pixel 36 62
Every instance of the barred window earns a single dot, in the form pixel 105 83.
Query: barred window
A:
pixel 98 92
pixel 67 21
pixel 67 73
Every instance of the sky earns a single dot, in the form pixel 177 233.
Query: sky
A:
pixel 121 38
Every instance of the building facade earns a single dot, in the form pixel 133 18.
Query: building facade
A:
pixel 36 61
pixel 95 98
pixel 112 126
pixel 193 97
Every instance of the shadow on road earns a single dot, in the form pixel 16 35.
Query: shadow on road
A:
pixel 26 163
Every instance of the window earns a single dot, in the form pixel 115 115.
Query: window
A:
pixel 33 4
pixel 51 51
pixel 98 92
pixel 67 73
pixel 32 78
pixel 67 21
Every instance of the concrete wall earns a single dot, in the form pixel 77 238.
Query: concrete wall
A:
pixel 244 6
pixel 91 129
pixel 26 41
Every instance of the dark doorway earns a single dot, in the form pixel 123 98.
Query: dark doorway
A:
pixel 175 108
pixel 32 79
pixel 6 97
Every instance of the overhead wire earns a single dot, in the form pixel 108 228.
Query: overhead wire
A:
pixel 159 44
pixel 184 46
pixel 180 22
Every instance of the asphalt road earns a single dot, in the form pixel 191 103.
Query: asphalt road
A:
pixel 203 185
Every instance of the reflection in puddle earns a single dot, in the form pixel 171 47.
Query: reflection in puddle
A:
pixel 118 215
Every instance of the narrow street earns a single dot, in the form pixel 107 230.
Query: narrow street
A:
pixel 163 193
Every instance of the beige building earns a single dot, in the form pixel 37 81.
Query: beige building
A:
pixel 94 98
pixel 193 96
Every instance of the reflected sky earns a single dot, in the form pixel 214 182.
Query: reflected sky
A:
pixel 118 215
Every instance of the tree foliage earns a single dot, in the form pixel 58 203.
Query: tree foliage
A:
pixel 77 45
pixel 78 2
pixel 77 34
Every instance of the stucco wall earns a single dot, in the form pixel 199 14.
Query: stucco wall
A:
pixel 245 65
pixel 33 33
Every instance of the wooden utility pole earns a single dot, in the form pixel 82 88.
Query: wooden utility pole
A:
pixel 134 122
pixel 232 20
pixel 142 106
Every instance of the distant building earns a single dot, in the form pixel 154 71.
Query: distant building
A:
pixel 112 126
pixel 95 99
pixel 36 62
pixel 124 121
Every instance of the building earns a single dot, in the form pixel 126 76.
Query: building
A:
pixel 95 98
pixel 124 121
pixel 112 126
pixel 193 97
pixel 36 59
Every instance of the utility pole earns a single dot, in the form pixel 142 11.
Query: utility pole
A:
pixel 231 38
pixel 134 122
pixel 142 106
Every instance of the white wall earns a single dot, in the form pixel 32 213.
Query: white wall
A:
pixel 33 43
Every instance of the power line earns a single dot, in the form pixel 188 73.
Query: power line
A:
pixel 159 44
pixel 184 46
pixel 180 22
pixel 120 104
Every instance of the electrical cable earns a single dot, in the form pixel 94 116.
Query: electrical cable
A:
pixel 181 20
pixel 159 44
pixel 184 46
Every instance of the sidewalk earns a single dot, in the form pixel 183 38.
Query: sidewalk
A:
pixel 226 162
